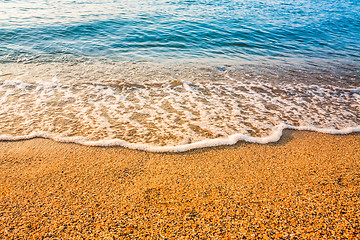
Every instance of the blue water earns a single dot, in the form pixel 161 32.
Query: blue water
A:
pixel 305 31
pixel 173 75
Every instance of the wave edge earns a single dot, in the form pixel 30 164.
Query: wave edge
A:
pixel 208 143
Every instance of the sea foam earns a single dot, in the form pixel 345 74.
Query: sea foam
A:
pixel 154 108
pixel 230 140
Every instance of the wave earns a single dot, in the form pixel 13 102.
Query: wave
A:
pixel 157 107
pixel 230 140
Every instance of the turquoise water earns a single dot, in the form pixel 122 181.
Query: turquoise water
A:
pixel 172 75
pixel 310 31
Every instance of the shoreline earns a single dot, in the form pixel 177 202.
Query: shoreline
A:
pixel 304 185
pixel 231 140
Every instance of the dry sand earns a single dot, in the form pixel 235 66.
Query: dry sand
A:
pixel 305 186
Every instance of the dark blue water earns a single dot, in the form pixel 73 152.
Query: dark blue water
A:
pixel 305 31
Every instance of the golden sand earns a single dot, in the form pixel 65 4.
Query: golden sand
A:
pixel 305 186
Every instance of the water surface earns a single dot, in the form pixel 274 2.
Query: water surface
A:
pixel 174 75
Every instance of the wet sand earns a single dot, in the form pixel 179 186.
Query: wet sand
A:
pixel 306 185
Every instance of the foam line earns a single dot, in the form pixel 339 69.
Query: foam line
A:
pixel 230 140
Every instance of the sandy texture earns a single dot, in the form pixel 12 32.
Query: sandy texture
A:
pixel 305 186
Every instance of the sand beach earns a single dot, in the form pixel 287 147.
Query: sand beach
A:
pixel 166 119
pixel 307 185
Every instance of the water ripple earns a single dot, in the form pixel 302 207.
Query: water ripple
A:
pixel 310 31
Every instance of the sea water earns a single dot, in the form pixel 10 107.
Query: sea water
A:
pixel 173 75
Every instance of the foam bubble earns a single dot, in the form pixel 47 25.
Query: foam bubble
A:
pixel 172 108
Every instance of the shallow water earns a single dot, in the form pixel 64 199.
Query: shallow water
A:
pixel 176 75
pixel 301 30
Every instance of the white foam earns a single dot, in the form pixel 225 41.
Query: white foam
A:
pixel 190 111
pixel 230 140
